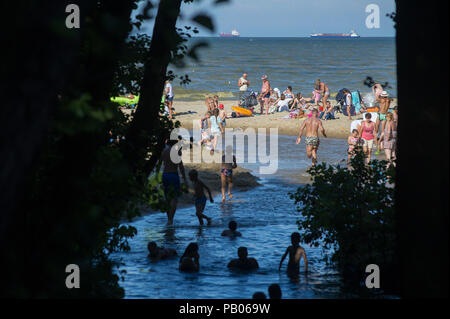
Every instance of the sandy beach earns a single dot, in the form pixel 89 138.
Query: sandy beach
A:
pixel 189 111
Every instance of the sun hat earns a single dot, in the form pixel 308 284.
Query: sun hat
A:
pixel 220 106
pixel 384 94
pixel 264 77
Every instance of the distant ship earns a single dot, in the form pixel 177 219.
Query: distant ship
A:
pixel 352 34
pixel 233 33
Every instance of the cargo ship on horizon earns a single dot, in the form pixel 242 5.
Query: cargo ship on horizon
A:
pixel 352 34
pixel 233 34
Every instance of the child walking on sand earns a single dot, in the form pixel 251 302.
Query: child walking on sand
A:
pixel 199 195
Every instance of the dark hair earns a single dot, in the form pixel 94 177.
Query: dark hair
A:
pixel 368 116
pixel 295 237
pixel 232 225
pixel 151 244
pixel 193 174
pixel 216 112
pixel 191 248
pixel 242 250
pixel 274 291
pixel 354 130
pixel 259 295
pixel 290 88
pixel 315 111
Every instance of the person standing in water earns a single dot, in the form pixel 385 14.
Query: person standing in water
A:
pixel 385 102
pixel 389 136
pixel 171 179
pixel 226 172
pixel 200 198
pixel 367 133
pixel 312 126
pixel 296 252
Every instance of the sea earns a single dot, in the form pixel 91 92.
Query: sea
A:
pixel 295 62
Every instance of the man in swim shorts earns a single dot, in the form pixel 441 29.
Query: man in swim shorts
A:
pixel 385 101
pixel 264 96
pixel 312 126
pixel 171 180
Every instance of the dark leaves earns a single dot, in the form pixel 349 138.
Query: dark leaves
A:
pixel 204 20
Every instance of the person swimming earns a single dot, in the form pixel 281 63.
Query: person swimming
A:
pixel 296 252
pixel 274 291
pixel 159 253
pixel 231 231
pixel 243 262
pixel 189 262
pixel 259 295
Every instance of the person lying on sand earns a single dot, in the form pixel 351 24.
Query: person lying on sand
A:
pixel 296 252
pixel 200 198
pixel 312 126
pixel 243 262
pixel 159 253
pixel 189 261
pixel 231 231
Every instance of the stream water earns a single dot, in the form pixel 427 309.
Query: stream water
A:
pixel 266 217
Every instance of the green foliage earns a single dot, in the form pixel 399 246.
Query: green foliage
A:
pixel 350 212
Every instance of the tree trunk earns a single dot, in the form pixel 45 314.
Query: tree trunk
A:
pixel 146 120
pixel 422 173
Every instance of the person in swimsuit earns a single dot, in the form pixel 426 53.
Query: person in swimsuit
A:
pixel 159 253
pixel 222 118
pixel 389 135
pixel 171 179
pixel 216 127
pixel 231 231
pixel 199 196
pixel 312 126
pixel 205 133
pixel 384 102
pixel 324 91
pixel 264 96
pixel 376 90
pixel 296 252
pixel 243 262
pixel 226 171
pixel 366 132
pixel 353 142
pixel 189 262
pixel 316 92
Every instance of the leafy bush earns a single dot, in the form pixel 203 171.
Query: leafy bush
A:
pixel 350 213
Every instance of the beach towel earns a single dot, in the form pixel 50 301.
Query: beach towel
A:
pixel 356 100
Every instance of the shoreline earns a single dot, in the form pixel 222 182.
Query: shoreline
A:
pixel 188 112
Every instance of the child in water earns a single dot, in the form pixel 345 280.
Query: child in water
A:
pixel 159 253
pixel 353 142
pixel 296 252
pixel 231 232
pixel 189 261
pixel 200 198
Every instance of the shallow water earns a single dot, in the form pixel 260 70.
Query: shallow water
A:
pixel 266 217
pixel 297 62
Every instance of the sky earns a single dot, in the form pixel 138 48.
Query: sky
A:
pixel 288 18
